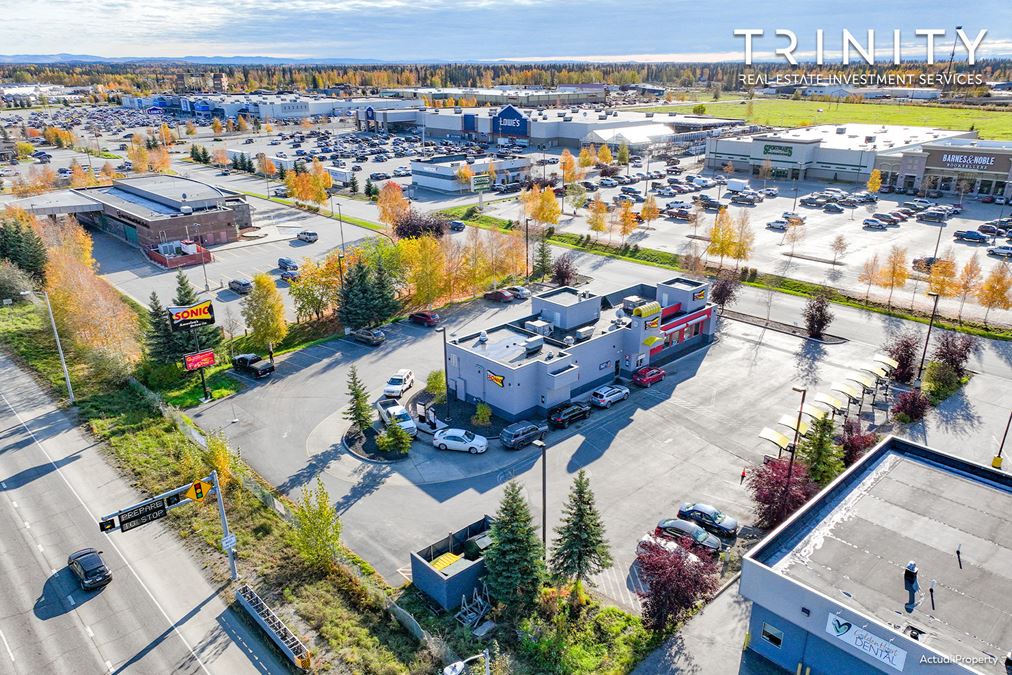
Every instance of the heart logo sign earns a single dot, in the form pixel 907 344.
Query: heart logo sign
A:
pixel 841 627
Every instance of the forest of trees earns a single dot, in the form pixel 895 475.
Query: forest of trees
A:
pixel 147 76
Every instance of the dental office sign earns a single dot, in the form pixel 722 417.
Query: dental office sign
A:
pixel 866 642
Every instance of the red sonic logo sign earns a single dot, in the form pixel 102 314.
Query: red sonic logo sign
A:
pixel 201 314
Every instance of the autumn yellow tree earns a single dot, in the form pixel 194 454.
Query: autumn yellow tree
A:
pixel 191 128
pixel 79 178
pixel 894 272
pixel 869 274
pixel 570 171
pixel 160 160
pixel 650 212
pixel 140 158
pixel 264 312
pixel 994 291
pixel 305 124
pixel 424 261
pixel 587 156
pixel 604 155
pixel 165 136
pixel 321 175
pixel 744 238
pixel 721 236
pixel 626 220
pixel 220 157
pixel 229 126
pixel 491 172
pixel 548 209
pixel 392 204
pixel 874 181
pixel 968 282
pixel 243 124
pixel 464 175
pixel 597 218
pixel 108 171
pixel 268 127
pixel 266 166
pixel 942 278
pixel 216 126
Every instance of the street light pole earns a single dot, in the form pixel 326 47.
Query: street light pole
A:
pixel 340 219
pixel 527 248
pixel 924 353
pixel 540 445
pixel 997 461
pixel 59 346
pixel 794 451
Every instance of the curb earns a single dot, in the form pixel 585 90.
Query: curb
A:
pixel 781 327
pixel 727 584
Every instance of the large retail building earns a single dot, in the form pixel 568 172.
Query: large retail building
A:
pixel 902 565
pixel 547 128
pixel 519 96
pixel 574 341
pixel 260 106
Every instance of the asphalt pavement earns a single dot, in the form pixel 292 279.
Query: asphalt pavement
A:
pixel 160 614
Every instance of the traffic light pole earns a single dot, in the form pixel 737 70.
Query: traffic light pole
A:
pixel 227 537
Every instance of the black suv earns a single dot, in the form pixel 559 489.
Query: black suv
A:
pixel 240 286
pixel 568 413
pixel 252 365
pixel 519 434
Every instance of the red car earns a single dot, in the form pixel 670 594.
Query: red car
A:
pixel 648 375
pixel 987 200
pixel 499 296
pixel 424 318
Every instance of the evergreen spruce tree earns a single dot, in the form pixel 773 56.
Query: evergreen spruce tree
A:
pixel 580 549
pixel 823 457
pixel 356 297
pixel 542 265
pixel 358 413
pixel 353 184
pixel 514 561
pixel 384 302
pixel 158 338
pixel 282 172
pixel 31 254
pixel 195 153
pixel 205 156
pixel 368 187
pixel 183 342
pixel 235 163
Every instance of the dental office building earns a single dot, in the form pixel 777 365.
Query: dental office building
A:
pixel 574 341
pixel 831 592
pixel 844 152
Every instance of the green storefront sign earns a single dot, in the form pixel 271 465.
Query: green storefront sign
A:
pixel 780 150
pixel 481 183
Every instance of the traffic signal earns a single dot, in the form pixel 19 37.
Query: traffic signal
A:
pixel 106 525
pixel 198 490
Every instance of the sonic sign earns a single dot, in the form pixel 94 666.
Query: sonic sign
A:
pixel 201 314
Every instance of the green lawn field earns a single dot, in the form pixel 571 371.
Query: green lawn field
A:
pixel 786 113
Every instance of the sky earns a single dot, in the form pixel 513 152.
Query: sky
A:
pixel 457 30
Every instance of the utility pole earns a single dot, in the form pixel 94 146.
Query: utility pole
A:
pixel 540 445
pixel 59 346
pixel 227 538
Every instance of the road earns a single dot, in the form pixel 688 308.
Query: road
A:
pixel 159 615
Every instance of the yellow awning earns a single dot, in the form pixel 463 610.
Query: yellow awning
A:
pixel 648 309
pixel 833 402
pixel 886 359
pixel 791 422
pixel 652 340
pixel 865 380
pixel 775 437
pixel 876 369
pixel 847 389
pixel 813 412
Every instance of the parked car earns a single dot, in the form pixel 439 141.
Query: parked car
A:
pixel 285 264
pixel 519 292
pixel 885 218
pixel 648 375
pixel 687 532
pixel 307 236
pixel 457 226
pixel 568 413
pixel 607 394
pixel 369 336
pixel 240 286
pixel 648 540
pixel 771 191
pixel 791 216
pixel 392 412
pixel 924 264
pixel 709 518
pixel 290 275
pixel 89 569
pixel 460 440
pixel 873 224
pixel 778 225
pixel 500 295
pixel 1000 251
pixel 399 383
pixel 971 236
pixel 425 318
pixel 252 365
pixel 991 229
pixel 519 434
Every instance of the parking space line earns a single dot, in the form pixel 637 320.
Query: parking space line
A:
pixel 7 646
pixel 89 631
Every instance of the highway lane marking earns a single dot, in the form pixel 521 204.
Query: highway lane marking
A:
pixel 89 631
pixel 28 525
pixel 126 561
pixel 7 646
pixel 14 503
pixel 39 546
pixel 108 666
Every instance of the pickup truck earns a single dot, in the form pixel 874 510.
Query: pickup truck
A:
pixel 392 412
pixel 252 365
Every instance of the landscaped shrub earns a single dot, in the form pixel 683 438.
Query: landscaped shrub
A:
pixel 855 441
pixel 435 384
pixel 910 406
pixel 941 381
pixel 482 415
pixel 954 349
pixel 394 440
pixel 903 349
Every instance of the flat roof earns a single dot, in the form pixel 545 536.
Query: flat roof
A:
pixel 174 188
pixel 973 144
pixel 565 296
pixel 891 137
pixel 908 502
pixel 506 344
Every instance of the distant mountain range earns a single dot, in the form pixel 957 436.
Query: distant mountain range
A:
pixel 202 60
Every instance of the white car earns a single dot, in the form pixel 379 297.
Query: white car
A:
pixel 519 292
pixel 1000 251
pixel 678 205
pixel 792 215
pixel 779 225
pixel 608 182
pixel 874 224
pixel 460 440
pixel 1000 200
pixel 665 543
pixel 402 171
pixel 607 394
pixel 399 383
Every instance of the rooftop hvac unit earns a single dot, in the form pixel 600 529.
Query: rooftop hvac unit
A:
pixel 534 343
pixel 602 116
pixel 483 337
pixel 167 247
pixel 841 130
pixel 560 113
pixel 584 333
pixel 569 340
pixel 650 114
pixel 539 327
pixel 632 302
pixel 186 210
pixel 567 118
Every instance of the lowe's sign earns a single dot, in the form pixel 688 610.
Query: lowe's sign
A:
pixel 510 122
